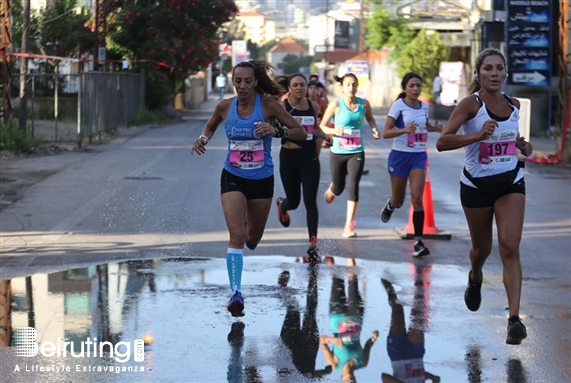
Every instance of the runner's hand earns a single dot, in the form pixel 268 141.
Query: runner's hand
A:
pixel 375 336
pixel 199 146
pixel 339 130
pixel 376 134
pixel 487 130
pixel 524 147
pixel 411 128
pixel 265 129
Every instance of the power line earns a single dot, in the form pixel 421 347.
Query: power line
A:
pixel 57 17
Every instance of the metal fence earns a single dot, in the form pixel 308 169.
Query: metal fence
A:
pixel 74 107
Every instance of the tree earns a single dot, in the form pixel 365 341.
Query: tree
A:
pixel 181 36
pixel 263 50
pixel 423 56
pixel 234 30
pixel 62 31
pixel 56 30
pixel 412 50
pixel 387 30
pixel 292 63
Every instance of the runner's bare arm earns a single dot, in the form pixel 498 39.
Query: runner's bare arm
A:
pixel 449 140
pixel 327 116
pixel 209 129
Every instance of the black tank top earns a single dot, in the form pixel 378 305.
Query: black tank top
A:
pixel 307 144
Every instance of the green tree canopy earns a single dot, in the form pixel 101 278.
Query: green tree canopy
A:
pixel 423 56
pixel 412 50
pixel 57 30
pixel 182 35
pixel 62 31
pixel 387 30
pixel 293 63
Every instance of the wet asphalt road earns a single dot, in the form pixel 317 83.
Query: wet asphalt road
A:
pixel 148 200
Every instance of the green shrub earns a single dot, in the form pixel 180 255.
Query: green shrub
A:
pixel 15 139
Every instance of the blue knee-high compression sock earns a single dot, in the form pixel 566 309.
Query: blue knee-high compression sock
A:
pixel 234 264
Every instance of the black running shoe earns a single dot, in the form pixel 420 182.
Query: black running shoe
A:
pixel 386 213
pixel 516 331
pixel 420 250
pixel 473 295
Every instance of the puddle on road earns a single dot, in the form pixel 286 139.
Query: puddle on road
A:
pixel 178 308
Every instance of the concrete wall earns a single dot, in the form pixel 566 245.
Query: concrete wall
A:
pixel 196 94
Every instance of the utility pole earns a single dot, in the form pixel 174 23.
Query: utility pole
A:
pixel 362 27
pixel 24 66
pixel 326 33
pixel 5 50
pixel 101 10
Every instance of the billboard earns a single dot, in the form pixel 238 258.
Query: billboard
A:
pixel 239 52
pixel 528 42
pixel 341 34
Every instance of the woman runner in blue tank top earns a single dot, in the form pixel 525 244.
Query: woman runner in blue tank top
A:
pixel 247 180
pixel 347 154
pixel 491 184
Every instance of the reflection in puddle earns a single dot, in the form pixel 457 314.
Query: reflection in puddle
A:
pixel 302 322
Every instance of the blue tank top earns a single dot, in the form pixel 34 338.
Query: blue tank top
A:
pixel 351 141
pixel 248 156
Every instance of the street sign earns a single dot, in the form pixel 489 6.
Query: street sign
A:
pixel 528 42
pixel 526 78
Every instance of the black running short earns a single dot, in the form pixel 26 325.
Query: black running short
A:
pixel 252 189
pixel 475 198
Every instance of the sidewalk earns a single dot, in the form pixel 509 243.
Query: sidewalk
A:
pixel 19 172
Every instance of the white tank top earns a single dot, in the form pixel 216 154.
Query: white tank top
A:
pixel 409 370
pixel 497 154
pixel 404 115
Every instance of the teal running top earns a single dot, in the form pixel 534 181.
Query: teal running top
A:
pixel 351 339
pixel 351 141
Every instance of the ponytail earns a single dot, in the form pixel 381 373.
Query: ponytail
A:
pixel 474 86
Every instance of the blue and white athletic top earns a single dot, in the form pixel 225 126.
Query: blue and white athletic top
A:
pixel 497 154
pixel 404 114
pixel 248 156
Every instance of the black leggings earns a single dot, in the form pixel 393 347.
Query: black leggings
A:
pixel 350 165
pixel 303 339
pixel 338 302
pixel 300 167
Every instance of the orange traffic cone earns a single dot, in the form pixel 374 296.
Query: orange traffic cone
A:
pixel 429 229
